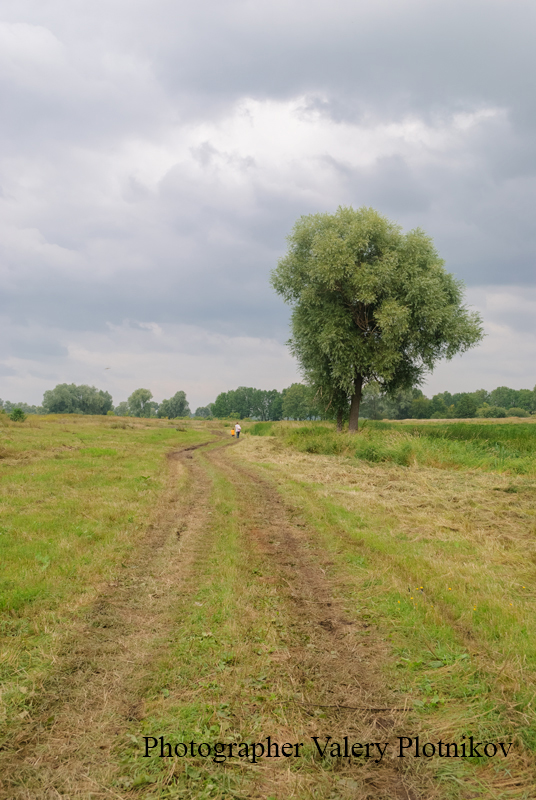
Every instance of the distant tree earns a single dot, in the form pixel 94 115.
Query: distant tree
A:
pixel 67 398
pixel 274 404
pixel 399 404
pixel 466 407
pixel 481 396
pixel 241 401
pixel 221 406
pixel 298 402
pixel 122 409
pixel 439 407
pixel 176 406
pixel 378 304
pixel 139 403
pixel 8 407
pixel 372 402
pixel 421 408
pixel 503 397
pixel 266 404
pixel 61 400
pixel 203 411
pixel 525 399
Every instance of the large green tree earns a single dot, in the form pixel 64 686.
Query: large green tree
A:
pixel 369 304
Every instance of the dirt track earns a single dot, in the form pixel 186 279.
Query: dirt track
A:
pixel 330 658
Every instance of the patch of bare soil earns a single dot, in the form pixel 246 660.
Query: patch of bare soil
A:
pixel 62 750
pixel 333 660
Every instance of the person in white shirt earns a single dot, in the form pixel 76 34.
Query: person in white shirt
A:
pixel 237 430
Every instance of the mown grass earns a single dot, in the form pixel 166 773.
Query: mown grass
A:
pixel 500 448
pixel 442 563
pixel 75 495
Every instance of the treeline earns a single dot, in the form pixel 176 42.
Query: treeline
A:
pixel 501 402
pixel 67 398
pixel 297 402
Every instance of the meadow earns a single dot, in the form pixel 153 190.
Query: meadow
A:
pixel 159 579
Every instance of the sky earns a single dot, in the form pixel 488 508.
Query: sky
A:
pixel 155 155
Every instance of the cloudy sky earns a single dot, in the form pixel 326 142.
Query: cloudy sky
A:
pixel 154 155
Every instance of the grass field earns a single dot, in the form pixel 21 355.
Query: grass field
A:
pixel 159 579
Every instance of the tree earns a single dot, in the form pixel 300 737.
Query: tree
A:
pixel 176 406
pixel 466 406
pixel 220 407
pixel 17 415
pixel 139 403
pixel 421 408
pixel 369 304
pixel 503 397
pixel 8 407
pixel 67 398
pixel 439 406
pixel 204 411
pixel 525 399
pixel 297 402
pixel 266 404
pixel 122 409
pixel 241 401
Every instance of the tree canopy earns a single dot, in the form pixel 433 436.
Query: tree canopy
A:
pixel 298 402
pixel 246 401
pixel 369 304
pixel 176 406
pixel 67 398
pixel 139 403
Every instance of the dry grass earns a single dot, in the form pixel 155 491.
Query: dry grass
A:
pixel 444 565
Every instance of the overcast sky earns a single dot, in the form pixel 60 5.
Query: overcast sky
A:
pixel 154 156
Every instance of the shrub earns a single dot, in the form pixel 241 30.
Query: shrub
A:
pixel 17 415
pixel 518 412
pixel 492 412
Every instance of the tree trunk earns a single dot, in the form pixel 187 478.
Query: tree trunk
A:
pixel 354 405
pixel 339 421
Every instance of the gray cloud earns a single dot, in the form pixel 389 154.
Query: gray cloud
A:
pixel 153 160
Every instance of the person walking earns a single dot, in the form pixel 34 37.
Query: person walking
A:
pixel 237 429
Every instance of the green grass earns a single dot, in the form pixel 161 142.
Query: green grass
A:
pixel 509 448
pixel 75 495
pixel 260 428
pixel 452 677
pixel 442 565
